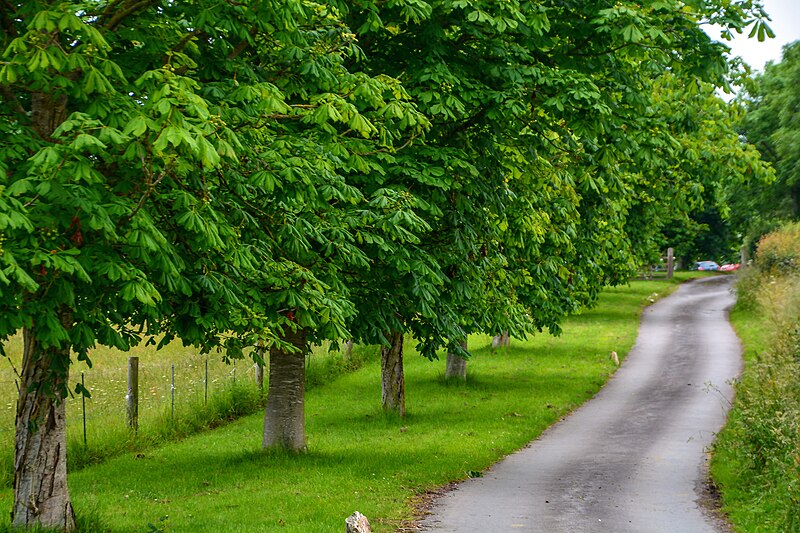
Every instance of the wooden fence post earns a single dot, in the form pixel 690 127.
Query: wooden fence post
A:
pixel 132 399
pixel 83 406
pixel 670 262
pixel 260 378
pixel 172 393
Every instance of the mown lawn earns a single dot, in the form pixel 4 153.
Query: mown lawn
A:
pixel 358 458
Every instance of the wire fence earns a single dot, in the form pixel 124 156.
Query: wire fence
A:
pixel 166 388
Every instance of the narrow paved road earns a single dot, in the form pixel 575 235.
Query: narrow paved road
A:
pixel 633 459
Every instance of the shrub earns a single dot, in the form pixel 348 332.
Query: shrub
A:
pixel 779 252
pixel 778 255
pixel 757 456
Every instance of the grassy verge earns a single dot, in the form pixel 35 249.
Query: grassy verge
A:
pixel 360 459
pixel 756 460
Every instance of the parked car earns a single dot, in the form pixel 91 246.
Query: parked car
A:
pixel 728 267
pixel 705 265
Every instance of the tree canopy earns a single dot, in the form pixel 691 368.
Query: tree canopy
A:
pixel 183 170
pixel 770 122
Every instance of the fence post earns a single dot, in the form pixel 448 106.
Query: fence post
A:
pixel 172 391
pixel 670 262
pixel 132 399
pixel 260 378
pixel 83 407
pixel 16 403
pixel 259 370
pixel 205 397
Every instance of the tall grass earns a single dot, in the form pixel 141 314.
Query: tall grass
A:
pixel 756 458
pixel 196 403
pixel 360 459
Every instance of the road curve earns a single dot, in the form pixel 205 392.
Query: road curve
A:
pixel 633 459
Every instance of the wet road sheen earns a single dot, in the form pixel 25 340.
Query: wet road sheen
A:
pixel 633 458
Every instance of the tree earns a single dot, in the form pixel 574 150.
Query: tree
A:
pixel 442 290
pixel 770 122
pixel 543 152
pixel 177 170
pixel 708 161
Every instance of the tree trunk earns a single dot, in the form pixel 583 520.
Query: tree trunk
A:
pixel 456 368
pixel 41 494
pixel 284 416
pixel 393 388
pixel 348 348
pixel 501 341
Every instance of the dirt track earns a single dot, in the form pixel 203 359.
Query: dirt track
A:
pixel 633 459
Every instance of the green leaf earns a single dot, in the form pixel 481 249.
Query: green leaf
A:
pixel 208 154
pixel 84 141
pixel 135 126
pixel 7 74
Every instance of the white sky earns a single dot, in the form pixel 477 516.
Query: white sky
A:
pixel 785 15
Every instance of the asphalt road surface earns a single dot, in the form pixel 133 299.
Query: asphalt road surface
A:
pixel 632 459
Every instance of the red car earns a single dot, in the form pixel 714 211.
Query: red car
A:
pixel 729 267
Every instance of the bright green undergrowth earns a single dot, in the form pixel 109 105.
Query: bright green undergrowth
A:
pixel 756 459
pixel 358 458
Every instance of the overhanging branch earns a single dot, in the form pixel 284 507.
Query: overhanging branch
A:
pixel 126 11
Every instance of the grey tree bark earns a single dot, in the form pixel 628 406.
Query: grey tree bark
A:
pixel 456 368
pixel 393 392
pixel 348 348
pixel 41 493
pixel 501 341
pixel 284 416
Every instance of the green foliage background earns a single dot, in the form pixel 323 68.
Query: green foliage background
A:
pixel 770 123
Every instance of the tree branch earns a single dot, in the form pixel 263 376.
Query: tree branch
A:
pixel 127 11
pixel 183 42
pixel 110 8
pixel 471 121
pixel 242 46
pixel 383 150
pixel 151 185
pixel 574 51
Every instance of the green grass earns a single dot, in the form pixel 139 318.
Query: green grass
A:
pixel 756 458
pixel 231 393
pixel 360 459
